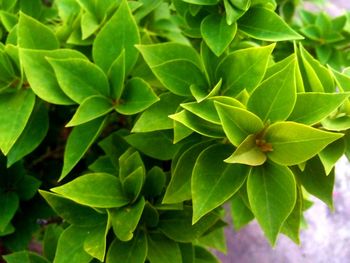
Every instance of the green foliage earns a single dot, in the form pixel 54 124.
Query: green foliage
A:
pixel 138 120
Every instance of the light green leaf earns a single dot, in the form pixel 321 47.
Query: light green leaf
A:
pixel 341 123
pixel 95 243
pixel 316 182
pixel 156 116
pixel 213 181
pixel 32 135
pixel 79 141
pixel 41 76
pixel 241 4
pixel 34 35
pixel 134 251
pixel 15 111
pixel 179 188
pixel 9 203
pixel 161 249
pixel 293 143
pixel 248 152
pixel 240 213
pixel 25 257
pixel 72 212
pixel 89 25
pixel 137 96
pixel 129 162
pixel 96 190
pixel 79 78
pixel 202 2
pixel 125 220
pixel 116 74
pixel 265 24
pixel 217 33
pixel 145 142
pixel 238 123
pixel 342 80
pixel 243 69
pixel 331 154
pixel 198 125
pixel 274 99
pixel 90 109
pixel 70 246
pixel 312 107
pixel 272 197
pixel 118 34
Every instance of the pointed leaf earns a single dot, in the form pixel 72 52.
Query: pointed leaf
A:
pixel 116 74
pixel 70 246
pixel 243 69
pixel 118 34
pixel 238 123
pixel 213 181
pixel 312 107
pixel 72 212
pixel 79 141
pixel 134 251
pixel 25 257
pixel 41 76
pixel 248 153
pixel 95 243
pixel 202 255
pixel 125 220
pixel 331 154
pixel 275 98
pixel 133 183
pixel 96 190
pixel 240 213
pixel 217 33
pixel 9 203
pixel 90 109
pixel 137 96
pixel 293 143
pixel 161 249
pixel 15 111
pixel 79 78
pixel 264 24
pixel 34 35
pixel 272 196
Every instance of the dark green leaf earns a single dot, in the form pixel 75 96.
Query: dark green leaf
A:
pixel 240 213
pixel 25 257
pixel 9 203
pixel 161 249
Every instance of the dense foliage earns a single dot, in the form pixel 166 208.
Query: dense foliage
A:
pixel 138 120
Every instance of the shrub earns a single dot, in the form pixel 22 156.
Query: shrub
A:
pixel 139 119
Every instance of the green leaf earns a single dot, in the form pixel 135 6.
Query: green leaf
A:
pixel 161 249
pixel 79 141
pixel 312 107
pixel 129 162
pixel 274 99
pixel 51 236
pixel 118 34
pixel 213 181
pixel 137 96
pixel 9 203
pixel 204 256
pixel 134 251
pixel 248 152
pixel 90 109
pixel 89 25
pixel 72 212
pixel 238 123
pixel 341 123
pixel 88 79
pixel 116 74
pixel 41 76
pixel 293 143
pixel 156 116
pixel 27 187
pixel 240 213
pixel 155 182
pixel 198 125
pixel 216 239
pixel 15 110
pixel 217 33
pixel 34 35
pixel 179 188
pixel 125 220
pixel 133 183
pixel 32 135
pixel 25 257
pixel 243 69
pixel 96 190
pixel 145 143
pixel 316 182
pixel 95 243
pixel 272 197
pixel 177 225
pixel 264 24
pixel 202 2
pixel 291 227
pixel 331 154
pixel 70 246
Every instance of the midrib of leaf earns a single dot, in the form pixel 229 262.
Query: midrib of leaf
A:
pixel 303 141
